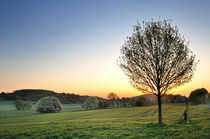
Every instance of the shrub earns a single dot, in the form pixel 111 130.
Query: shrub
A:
pixel 140 102
pixel 22 105
pixel 49 105
pixel 19 104
pixel 91 103
pixel 103 104
pixel 198 96
pixel 143 101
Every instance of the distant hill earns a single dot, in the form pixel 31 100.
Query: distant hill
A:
pixel 36 94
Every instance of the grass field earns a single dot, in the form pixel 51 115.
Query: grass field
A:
pixel 73 122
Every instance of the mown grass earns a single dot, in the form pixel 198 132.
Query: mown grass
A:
pixel 139 122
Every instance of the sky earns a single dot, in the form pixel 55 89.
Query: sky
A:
pixel 72 46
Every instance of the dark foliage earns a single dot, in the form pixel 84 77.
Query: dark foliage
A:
pixel 124 101
pixel 173 99
pixel 180 99
pixel 140 102
pixel 103 104
pixel 198 96
pixel 36 94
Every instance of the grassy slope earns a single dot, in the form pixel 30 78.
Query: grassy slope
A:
pixel 110 123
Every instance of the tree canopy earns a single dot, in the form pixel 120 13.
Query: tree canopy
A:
pixel 156 58
pixel 112 96
pixel 198 96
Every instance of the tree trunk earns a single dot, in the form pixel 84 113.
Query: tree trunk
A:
pixel 159 109
pixel 187 110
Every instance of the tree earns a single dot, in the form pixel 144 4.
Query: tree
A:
pixel 91 103
pixel 143 101
pixel 113 98
pixel 103 104
pixel 156 58
pixel 19 104
pixel 22 105
pixel 49 105
pixel 198 96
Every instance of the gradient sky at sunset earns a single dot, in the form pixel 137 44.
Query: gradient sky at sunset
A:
pixel 73 45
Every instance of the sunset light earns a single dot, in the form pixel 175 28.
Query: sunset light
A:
pixel 75 50
pixel 122 69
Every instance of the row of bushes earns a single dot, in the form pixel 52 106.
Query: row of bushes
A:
pixel 143 100
pixel 45 105
pixel 52 104
pixel 94 103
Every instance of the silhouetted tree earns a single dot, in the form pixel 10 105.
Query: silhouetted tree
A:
pixel 103 104
pixel 156 58
pixel 113 98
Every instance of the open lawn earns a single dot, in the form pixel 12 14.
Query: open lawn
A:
pixel 138 122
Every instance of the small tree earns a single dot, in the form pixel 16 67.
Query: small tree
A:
pixel 103 104
pixel 22 105
pixel 19 104
pixel 91 103
pixel 140 102
pixel 49 105
pixel 198 96
pixel 113 98
pixel 156 59
pixel 143 101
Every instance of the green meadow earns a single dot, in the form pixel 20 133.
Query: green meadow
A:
pixel 74 122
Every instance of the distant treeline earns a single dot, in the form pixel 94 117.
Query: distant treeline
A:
pixel 36 94
pixel 70 98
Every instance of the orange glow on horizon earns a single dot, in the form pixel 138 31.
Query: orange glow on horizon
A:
pixel 93 79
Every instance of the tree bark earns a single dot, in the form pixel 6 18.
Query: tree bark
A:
pixel 159 109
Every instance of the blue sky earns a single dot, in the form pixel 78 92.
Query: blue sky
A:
pixel 73 45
